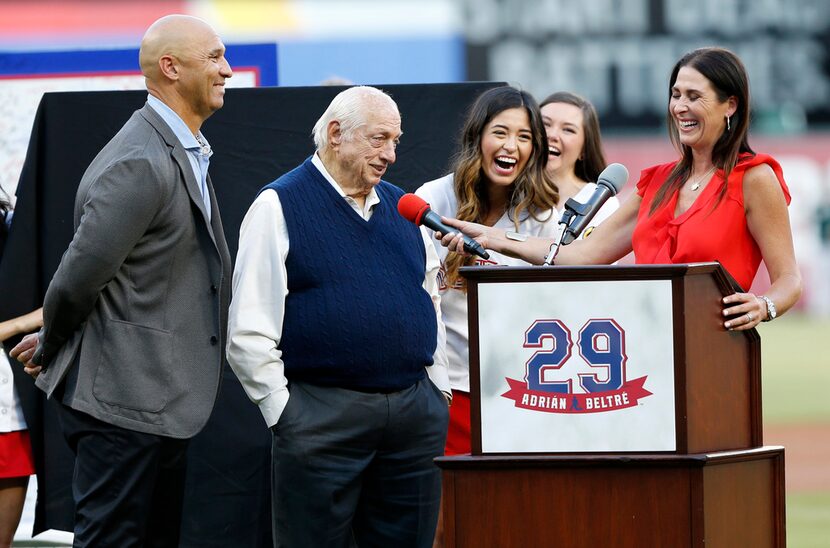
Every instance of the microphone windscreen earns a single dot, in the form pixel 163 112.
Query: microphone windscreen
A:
pixel 613 177
pixel 412 208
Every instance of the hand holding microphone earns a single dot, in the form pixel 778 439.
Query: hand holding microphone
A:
pixel 413 208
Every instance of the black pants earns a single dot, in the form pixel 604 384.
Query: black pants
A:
pixel 351 468
pixel 128 486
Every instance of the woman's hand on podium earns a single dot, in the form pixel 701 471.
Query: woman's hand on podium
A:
pixel 744 310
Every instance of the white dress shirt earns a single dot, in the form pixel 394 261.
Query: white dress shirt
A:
pixel 260 286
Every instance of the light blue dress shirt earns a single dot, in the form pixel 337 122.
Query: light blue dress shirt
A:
pixel 198 153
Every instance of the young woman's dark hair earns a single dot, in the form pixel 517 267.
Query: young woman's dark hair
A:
pixel 533 193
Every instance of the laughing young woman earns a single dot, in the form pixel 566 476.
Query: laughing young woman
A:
pixel 499 180
pixel 719 201
pixel 575 156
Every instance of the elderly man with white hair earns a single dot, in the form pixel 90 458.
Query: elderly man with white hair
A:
pixel 335 333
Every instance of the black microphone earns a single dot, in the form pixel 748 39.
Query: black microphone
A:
pixel 577 215
pixel 414 208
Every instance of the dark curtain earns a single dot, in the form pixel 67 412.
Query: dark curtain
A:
pixel 260 134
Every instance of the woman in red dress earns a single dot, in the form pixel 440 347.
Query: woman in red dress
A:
pixel 719 202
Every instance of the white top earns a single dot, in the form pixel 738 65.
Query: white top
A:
pixel 260 286
pixel 11 413
pixel 441 198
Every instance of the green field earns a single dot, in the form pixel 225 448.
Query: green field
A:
pixel 808 520
pixel 796 390
pixel 796 370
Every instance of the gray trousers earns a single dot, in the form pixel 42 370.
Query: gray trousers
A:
pixel 355 469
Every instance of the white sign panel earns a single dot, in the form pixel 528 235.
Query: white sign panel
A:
pixel 576 367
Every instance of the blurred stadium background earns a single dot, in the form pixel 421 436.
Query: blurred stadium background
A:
pixel 618 53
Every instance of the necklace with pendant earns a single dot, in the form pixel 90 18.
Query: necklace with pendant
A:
pixel 696 184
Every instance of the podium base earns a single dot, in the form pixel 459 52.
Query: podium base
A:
pixel 720 499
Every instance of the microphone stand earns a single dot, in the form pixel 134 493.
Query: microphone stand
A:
pixel 554 248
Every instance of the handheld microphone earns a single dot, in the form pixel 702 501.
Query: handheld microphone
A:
pixel 577 215
pixel 414 208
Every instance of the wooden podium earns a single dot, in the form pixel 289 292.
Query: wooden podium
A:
pixel 673 457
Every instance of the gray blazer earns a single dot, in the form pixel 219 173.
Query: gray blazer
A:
pixel 136 314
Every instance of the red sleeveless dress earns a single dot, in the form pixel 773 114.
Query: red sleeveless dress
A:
pixel 701 234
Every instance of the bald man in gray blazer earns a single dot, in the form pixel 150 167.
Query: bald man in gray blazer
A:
pixel 135 316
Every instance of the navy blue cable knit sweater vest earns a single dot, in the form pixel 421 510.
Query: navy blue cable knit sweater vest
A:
pixel 356 314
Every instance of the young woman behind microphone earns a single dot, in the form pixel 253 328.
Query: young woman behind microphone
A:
pixel 498 180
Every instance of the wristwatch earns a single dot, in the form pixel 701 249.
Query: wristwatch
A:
pixel 516 236
pixel 771 313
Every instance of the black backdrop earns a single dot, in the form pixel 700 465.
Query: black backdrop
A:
pixel 259 134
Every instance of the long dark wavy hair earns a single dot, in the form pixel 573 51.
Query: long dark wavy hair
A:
pixel 533 193
pixel 728 77
pixel 592 159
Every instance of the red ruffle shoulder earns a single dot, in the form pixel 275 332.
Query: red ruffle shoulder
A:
pixel 705 232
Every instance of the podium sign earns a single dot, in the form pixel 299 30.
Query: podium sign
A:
pixel 600 359
pixel 576 366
